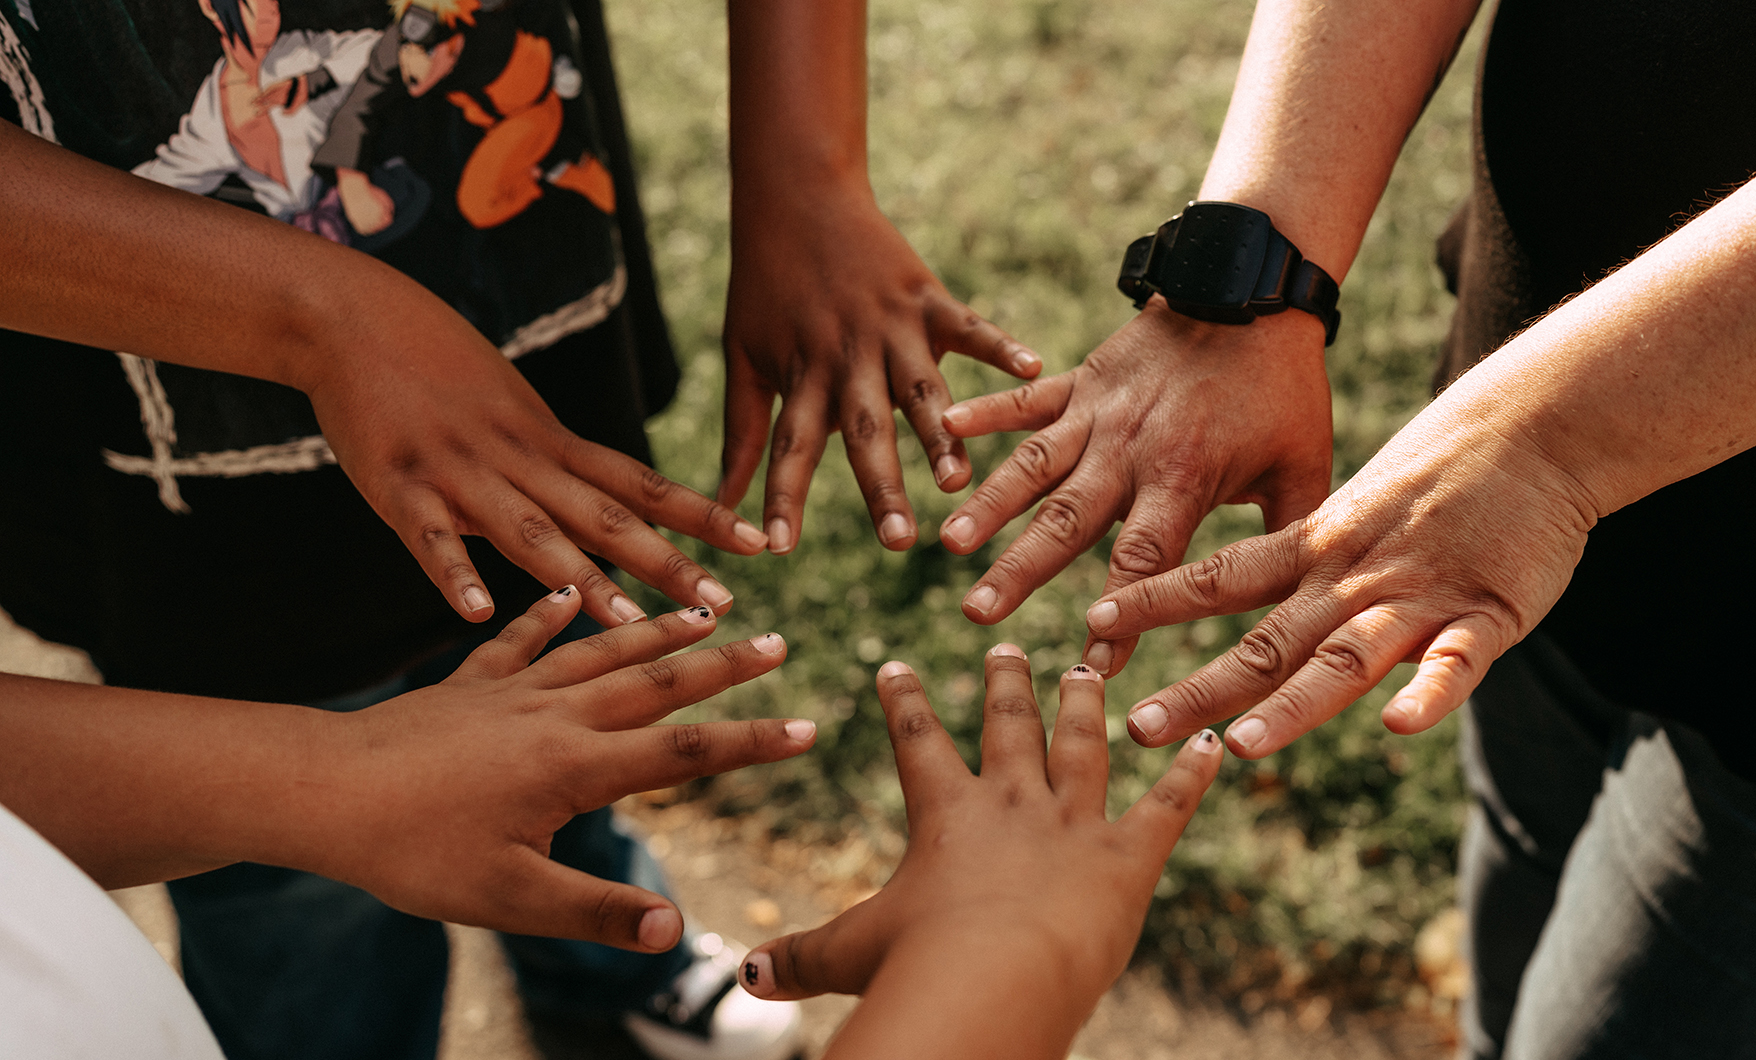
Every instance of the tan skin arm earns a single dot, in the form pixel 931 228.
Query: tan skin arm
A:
pixel 828 309
pixel 1456 539
pixel 437 430
pixel 1171 417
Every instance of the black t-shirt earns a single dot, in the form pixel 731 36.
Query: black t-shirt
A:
pixel 190 528
pixel 1602 125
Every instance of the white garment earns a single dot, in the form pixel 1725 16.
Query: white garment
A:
pixel 78 981
pixel 199 155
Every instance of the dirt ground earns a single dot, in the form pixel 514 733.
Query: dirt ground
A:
pixel 749 888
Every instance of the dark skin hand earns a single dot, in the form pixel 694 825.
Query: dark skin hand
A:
pixel 828 308
pixel 1018 902
pixel 440 434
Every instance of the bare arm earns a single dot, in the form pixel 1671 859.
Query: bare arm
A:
pixel 828 308
pixel 1171 416
pixel 1462 532
pixel 438 431
pixel 442 801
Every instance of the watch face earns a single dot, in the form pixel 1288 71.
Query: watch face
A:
pixel 1215 258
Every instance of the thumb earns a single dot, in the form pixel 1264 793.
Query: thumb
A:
pixel 542 897
pixel 838 958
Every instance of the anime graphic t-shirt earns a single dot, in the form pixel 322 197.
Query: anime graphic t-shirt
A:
pixel 475 145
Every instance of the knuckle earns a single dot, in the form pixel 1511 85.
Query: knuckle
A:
pixel 1138 554
pixel 677 567
pixel 1172 798
pixel 1010 706
pixel 663 675
pixel 1034 458
pixel 1061 518
pixel 654 487
pixel 914 724
pixel 536 529
pixel 1082 726
pixel 434 537
pixel 691 742
pixel 1207 579
pixel 1260 652
pixel 864 426
pixel 613 519
pixel 1344 660
pixel 919 395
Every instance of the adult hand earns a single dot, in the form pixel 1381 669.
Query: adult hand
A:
pixel 830 309
pixel 1014 881
pixel 1446 549
pixel 445 438
pixel 443 801
pixel 1167 419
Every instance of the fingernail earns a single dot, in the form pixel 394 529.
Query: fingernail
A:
pixel 1007 649
pixel 1102 615
pixel 780 537
pixel 1082 672
pixel 895 668
pixel 696 616
pixel 959 530
pixel 749 536
pixel 1100 656
pixel 956 416
pixel 562 593
pixel 1207 740
pixel 801 731
pixel 625 609
pixel 769 643
pixel 1024 360
pixel 981 599
pixel 896 529
pixel 713 594
pixel 759 974
pixel 1149 719
pixel 945 468
pixel 475 598
pixel 660 928
pixel 1246 734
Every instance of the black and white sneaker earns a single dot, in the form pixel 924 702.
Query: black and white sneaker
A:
pixel 705 1015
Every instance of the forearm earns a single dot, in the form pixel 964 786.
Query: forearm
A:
pixel 107 259
pixel 798 98
pixel 1646 378
pixel 1326 94
pixel 968 996
pixel 143 786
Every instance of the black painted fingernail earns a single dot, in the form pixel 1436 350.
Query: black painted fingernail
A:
pixel 1206 738
pixel 1081 668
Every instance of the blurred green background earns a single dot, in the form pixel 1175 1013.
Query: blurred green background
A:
pixel 1020 145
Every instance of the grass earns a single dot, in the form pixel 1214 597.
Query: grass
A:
pixel 1019 145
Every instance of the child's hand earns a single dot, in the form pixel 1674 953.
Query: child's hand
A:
pixel 1017 903
pixel 830 309
pixel 442 802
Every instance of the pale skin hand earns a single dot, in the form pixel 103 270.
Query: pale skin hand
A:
pixel 828 308
pixel 1460 535
pixel 441 435
pixel 442 802
pixel 1017 903
pixel 1176 416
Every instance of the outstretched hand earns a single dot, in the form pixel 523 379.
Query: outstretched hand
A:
pixel 1168 418
pixel 1018 902
pixel 443 801
pixel 448 439
pixel 1446 549
pixel 830 309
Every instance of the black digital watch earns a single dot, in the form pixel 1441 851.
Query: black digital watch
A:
pixel 1226 263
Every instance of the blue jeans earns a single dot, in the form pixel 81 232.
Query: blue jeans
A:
pixel 1608 876
pixel 290 966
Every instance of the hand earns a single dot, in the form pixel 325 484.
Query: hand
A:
pixel 444 438
pixel 1014 882
pixel 443 801
pixel 1446 549
pixel 1167 419
pixel 829 308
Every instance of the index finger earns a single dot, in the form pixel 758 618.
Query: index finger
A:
pixel 927 762
pixel 1239 577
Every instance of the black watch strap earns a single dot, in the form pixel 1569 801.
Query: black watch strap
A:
pixel 1226 263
